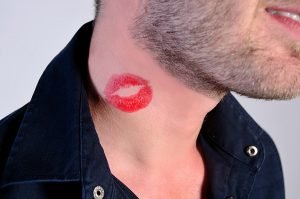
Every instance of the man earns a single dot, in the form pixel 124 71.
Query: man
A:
pixel 138 104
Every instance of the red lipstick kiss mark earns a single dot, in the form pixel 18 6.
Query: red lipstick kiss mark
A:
pixel 129 103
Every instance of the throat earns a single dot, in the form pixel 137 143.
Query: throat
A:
pixel 176 181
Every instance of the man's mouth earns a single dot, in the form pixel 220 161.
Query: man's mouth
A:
pixel 289 19
pixel 291 15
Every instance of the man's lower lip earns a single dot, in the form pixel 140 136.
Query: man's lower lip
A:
pixel 128 103
pixel 290 26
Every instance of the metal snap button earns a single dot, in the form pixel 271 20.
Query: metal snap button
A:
pixel 251 151
pixel 98 192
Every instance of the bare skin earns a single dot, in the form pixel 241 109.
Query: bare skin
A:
pixel 153 149
pixel 157 144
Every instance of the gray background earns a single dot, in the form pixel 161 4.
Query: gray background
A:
pixel 34 31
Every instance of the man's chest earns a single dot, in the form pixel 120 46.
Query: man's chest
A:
pixel 175 192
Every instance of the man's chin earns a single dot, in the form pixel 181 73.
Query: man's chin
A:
pixel 270 95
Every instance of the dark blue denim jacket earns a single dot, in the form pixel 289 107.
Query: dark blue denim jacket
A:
pixel 49 148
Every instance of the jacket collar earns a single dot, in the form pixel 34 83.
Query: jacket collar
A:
pixel 229 127
pixel 49 141
pixel 47 144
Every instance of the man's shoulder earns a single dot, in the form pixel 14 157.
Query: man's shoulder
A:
pixel 9 127
pixel 11 122
pixel 14 116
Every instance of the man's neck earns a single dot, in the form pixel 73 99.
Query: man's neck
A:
pixel 157 136
pixel 171 121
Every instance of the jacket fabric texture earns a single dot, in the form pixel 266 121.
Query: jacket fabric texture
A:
pixel 49 148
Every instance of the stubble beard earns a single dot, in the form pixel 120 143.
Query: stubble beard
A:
pixel 198 43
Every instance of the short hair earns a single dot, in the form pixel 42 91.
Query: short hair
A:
pixel 97 7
